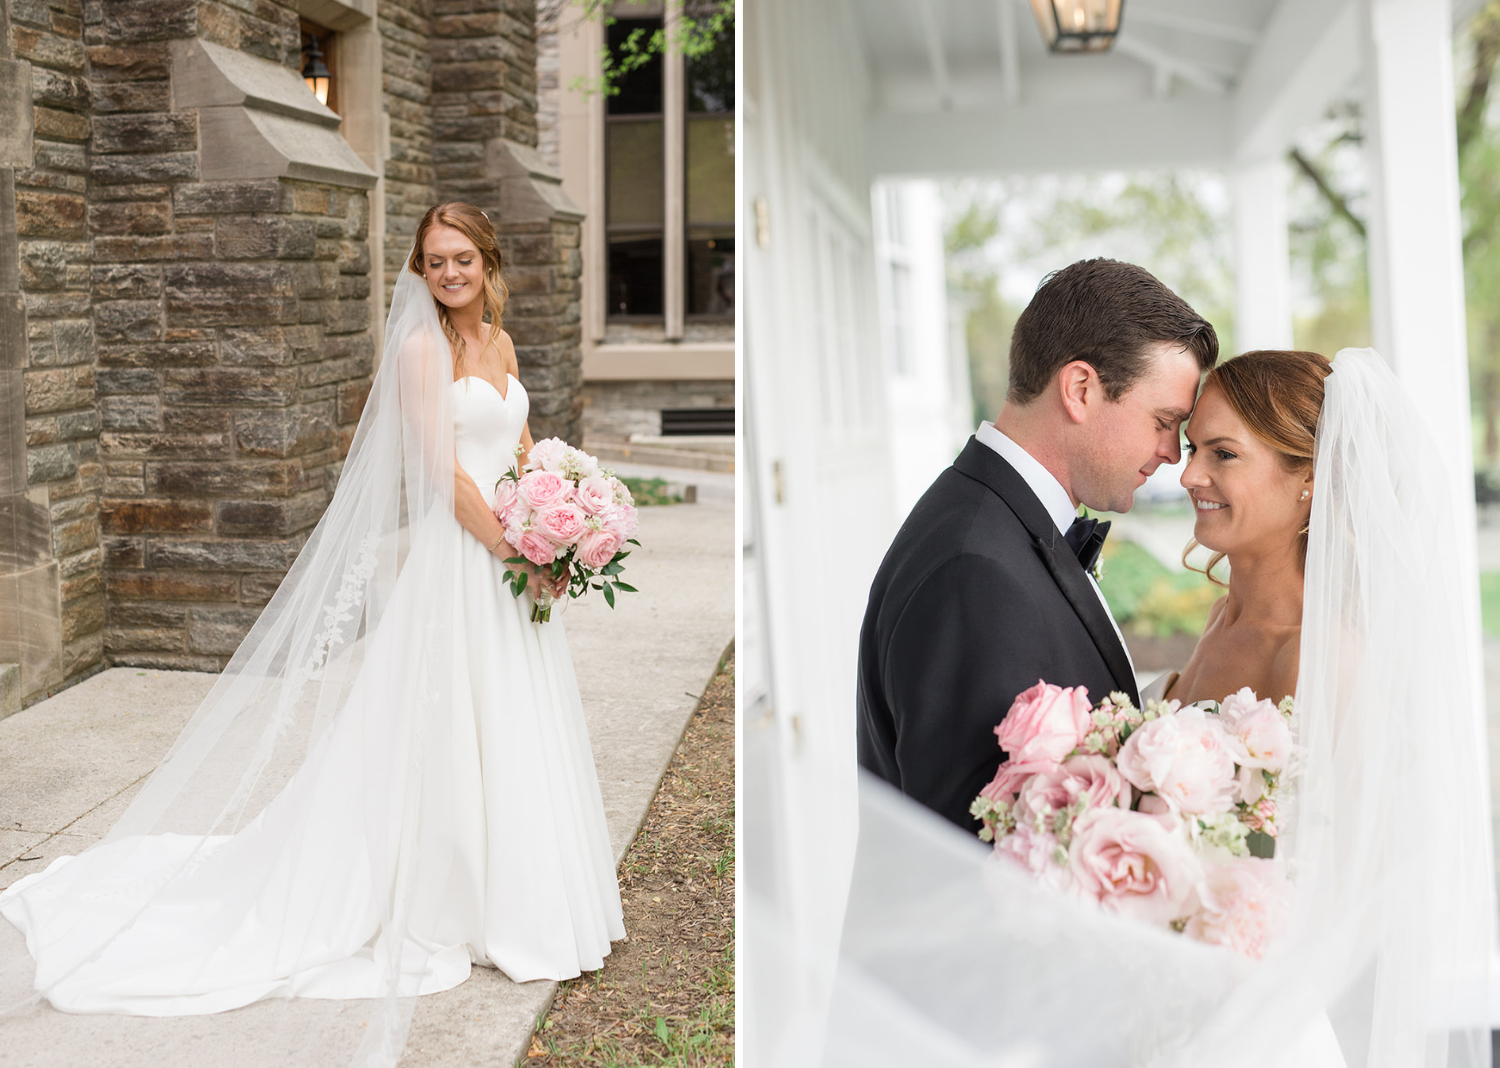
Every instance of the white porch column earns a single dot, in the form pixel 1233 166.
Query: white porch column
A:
pixel 1262 269
pixel 1415 238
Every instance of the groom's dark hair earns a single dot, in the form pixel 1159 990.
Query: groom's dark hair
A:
pixel 1103 312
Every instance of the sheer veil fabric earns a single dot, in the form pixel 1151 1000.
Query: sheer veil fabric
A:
pixel 324 698
pixel 951 958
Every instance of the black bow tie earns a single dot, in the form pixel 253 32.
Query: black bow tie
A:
pixel 1086 537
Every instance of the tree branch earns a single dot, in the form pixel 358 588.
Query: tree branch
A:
pixel 1486 31
pixel 1336 200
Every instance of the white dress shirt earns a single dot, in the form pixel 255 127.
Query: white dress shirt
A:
pixel 1050 492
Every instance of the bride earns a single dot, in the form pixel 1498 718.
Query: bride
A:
pixel 392 780
pixel 1318 483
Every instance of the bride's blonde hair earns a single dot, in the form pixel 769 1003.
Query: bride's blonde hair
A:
pixel 1279 396
pixel 475 225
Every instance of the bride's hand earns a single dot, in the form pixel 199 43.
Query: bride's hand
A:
pixel 536 577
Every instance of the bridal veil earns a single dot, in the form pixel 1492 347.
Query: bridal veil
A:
pixel 375 574
pixel 950 958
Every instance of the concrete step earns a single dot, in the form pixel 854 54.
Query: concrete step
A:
pixel 662 455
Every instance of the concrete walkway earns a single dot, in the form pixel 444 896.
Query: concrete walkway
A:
pixel 70 764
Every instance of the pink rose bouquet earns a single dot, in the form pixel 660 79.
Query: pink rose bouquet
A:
pixel 1166 814
pixel 566 516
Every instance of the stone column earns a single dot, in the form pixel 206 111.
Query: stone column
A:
pixel 484 127
pixel 230 301
pixel 1262 266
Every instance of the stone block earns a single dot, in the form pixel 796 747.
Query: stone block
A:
pixel 59 389
pixel 229 294
pixel 227 198
pixel 125 281
pixel 127 320
pixel 54 125
pixel 130 217
pixel 48 49
pixel 270 518
pixel 28 534
pixel 145 614
pixel 231 386
pixel 217 421
pixel 109 96
pixel 82 616
pixel 150 20
pixel 78 426
pixel 351 400
pixel 264 237
pixel 127 380
pixel 232 554
pixel 166 661
pixel 163 132
pixel 10 689
pixel 75 537
pixel 43 264
pixel 141 639
pixel 282 432
pixel 150 354
pixel 133 62
pixel 165 247
pixel 123 553
pixel 258 589
pixel 56 215
pixel 155 517
pixel 84 582
pixel 31 631
pixel 57 89
pixel 164 445
pixel 165 167
pixel 169 586
pixel 260 478
pixel 130 412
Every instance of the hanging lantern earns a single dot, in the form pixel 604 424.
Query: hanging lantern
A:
pixel 1078 25
pixel 315 71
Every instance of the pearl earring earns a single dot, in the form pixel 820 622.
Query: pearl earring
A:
pixel 1306 494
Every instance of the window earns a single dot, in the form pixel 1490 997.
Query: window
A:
pixel 319 64
pixel 669 177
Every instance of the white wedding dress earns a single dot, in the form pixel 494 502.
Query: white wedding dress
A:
pixel 507 854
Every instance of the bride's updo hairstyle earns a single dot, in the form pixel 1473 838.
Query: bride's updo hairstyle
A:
pixel 476 226
pixel 1279 396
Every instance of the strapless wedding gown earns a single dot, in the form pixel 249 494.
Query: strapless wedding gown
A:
pixel 1316 1046
pixel 519 874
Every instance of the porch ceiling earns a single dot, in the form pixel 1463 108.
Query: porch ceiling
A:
pixel 966 86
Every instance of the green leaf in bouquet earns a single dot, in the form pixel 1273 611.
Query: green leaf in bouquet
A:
pixel 514 560
pixel 609 594
pixel 521 582
pixel 632 541
pixel 612 569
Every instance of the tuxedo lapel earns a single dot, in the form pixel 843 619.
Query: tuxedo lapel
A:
pixel 984 465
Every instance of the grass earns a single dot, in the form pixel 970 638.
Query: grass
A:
pixel 665 996
pixel 651 491
pixel 1489 601
pixel 1152 600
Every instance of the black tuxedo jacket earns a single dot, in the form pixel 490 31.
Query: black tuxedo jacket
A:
pixel 978 597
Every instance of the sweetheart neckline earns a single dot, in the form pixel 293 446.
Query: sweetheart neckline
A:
pixel 503 396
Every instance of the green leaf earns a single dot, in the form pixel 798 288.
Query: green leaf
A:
pixel 626 587
pixel 632 541
pixel 514 560
pixel 521 583
pixel 612 569
pixel 609 595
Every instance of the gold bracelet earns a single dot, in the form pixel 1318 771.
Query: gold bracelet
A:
pixel 497 542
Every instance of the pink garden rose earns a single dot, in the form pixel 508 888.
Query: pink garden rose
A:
pixel 1012 775
pixel 594 494
pixel 1258 731
pixel 1243 904
pixel 548 455
pixel 536 547
pixel 1130 864
pixel 1036 851
pixel 562 523
pixel 620 518
pixel 598 547
pixel 1045 722
pixel 506 494
pixel 1093 777
pixel 1186 759
pixel 541 488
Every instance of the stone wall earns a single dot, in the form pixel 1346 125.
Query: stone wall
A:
pixel 410 179
pixel 185 312
pixel 62 595
pixel 484 120
pixel 614 410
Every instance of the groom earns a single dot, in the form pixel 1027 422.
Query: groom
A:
pixel 986 588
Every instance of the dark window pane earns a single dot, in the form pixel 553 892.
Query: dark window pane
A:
pixel 710 263
pixel 635 276
pixel 710 77
pixel 640 90
pixel 710 170
pixel 636 187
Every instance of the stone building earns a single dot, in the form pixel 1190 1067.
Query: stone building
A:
pixel 195 255
pixel 653 165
